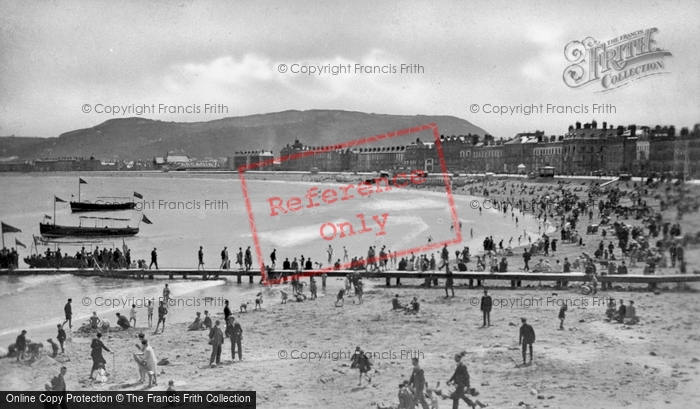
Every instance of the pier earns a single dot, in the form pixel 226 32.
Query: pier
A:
pixel 173 273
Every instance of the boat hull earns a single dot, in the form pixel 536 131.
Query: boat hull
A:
pixel 41 262
pixel 53 230
pixel 77 207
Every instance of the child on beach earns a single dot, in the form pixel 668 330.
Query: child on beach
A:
pixel 313 288
pixel 61 337
pixel 132 315
pixel 54 347
pixel 284 296
pixel 432 394
pixel 258 301
pixel 562 316
pixel 341 298
pixel 358 291
pixel 150 314
pixel 171 392
pixel 100 375
pixel 94 321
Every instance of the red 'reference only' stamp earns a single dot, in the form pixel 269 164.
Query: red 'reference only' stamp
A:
pixel 352 196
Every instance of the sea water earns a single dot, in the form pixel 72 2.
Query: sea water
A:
pixel 188 211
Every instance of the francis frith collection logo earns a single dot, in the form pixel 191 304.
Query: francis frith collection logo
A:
pixel 616 62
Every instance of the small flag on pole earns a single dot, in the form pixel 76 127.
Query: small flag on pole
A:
pixel 19 243
pixel 81 181
pixel 36 240
pixel 139 195
pixel 145 219
pixel 58 199
pixel 6 228
pixel 46 216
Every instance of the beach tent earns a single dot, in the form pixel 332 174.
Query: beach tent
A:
pixel 521 168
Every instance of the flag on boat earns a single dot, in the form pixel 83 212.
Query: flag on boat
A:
pixel 46 216
pixel 81 181
pixel 19 243
pixel 139 195
pixel 58 200
pixel 6 228
pixel 145 219
pixel 37 241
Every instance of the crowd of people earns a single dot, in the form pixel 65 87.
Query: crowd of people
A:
pixel 9 258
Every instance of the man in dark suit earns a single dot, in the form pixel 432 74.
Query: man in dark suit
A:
pixel 527 338
pixel 216 339
pixel 486 304
pixel 461 380
pixel 68 309
pixel 154 259
pixel 418 382
pixel 235 332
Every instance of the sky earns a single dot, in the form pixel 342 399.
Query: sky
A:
pixel 64 64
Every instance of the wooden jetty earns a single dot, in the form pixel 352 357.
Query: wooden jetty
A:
pixel 172 273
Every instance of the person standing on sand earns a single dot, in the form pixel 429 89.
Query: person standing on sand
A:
pixel 341 298
pixel 162 312
pixel 527 338
pixel 216 340
pixel 69 314
pixel 61 337
pixel 418 382
pixel 358 291
pixel 150 313
pixel 166 294
pixel 486 305
pixel 200 257
pixel 97 346
pixel 449 283
pixel 21 345
pixel 562 316
pixel 345 254
pixel 235 333
pixel 362 363
pixel 227 313
pixel 149 358
pixel 330 254
pixel 132 315
pixel 273 257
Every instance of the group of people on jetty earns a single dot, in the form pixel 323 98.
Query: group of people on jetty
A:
pixel 9 258
pixel 98 258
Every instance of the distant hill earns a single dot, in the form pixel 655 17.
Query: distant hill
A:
pixel 141 138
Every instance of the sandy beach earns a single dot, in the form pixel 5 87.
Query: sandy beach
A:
pixel 593 362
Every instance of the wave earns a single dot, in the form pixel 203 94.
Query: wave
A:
pixel 112 300
pixel 27 282
pixel 410 204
